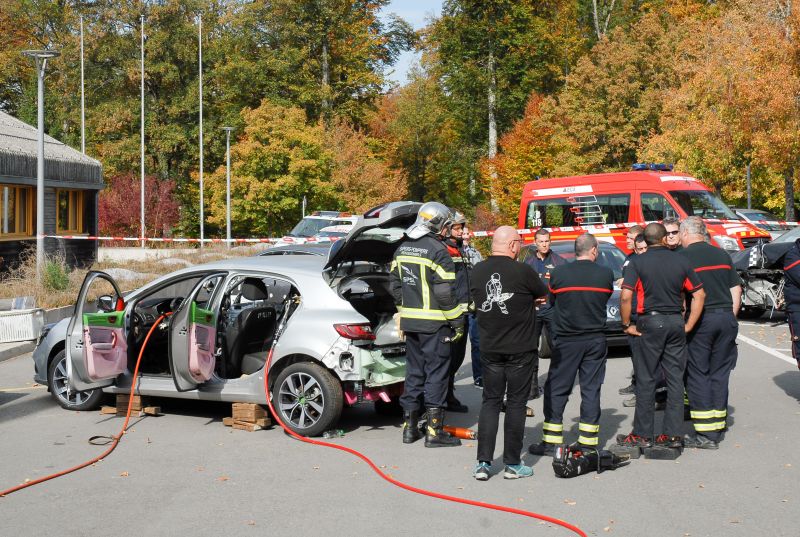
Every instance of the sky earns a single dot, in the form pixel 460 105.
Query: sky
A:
pixel 417 13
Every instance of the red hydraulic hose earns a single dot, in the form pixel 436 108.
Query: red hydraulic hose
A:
pixel 400 484
pixel 114 440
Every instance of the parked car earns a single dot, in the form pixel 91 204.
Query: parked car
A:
pixel 611 257
pixel 314 223
pixel 340 345
pixel 764 220
pixel 307 248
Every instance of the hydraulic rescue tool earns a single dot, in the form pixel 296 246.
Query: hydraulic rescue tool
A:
pixel 574 460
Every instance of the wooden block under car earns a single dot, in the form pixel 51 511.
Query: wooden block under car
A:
pixel 248 412
pixel 123 399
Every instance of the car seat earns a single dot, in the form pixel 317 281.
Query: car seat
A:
pixel 250 326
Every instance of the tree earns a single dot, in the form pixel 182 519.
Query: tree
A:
pixel 526 154
pixel 276 161
pixel 361 179
pixel 119 211
pixel 738 104
pixel 419 138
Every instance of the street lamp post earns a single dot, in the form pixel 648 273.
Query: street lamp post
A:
pixel 41 57
pixel 228 183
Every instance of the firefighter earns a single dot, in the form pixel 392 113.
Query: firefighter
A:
pixel 791 270
pixel 630 243
pixel 580 293
pixel 422 279
pixel 458 349
pixel 543 261
pixel 712 344
pixel 659 277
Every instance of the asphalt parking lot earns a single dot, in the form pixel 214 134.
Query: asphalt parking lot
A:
pixel 185 473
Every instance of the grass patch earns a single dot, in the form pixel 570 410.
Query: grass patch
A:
pixel 59 285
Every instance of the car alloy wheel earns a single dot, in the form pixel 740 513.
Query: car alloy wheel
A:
pixel 65 396
pixel 308 397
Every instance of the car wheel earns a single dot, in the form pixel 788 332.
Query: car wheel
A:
pixel 308 398
pixel 750 312
pixel 61 392
pixel 392 408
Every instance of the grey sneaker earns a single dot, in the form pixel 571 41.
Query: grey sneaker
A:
pixel 516 471
pixel 481 471
pixel 631 402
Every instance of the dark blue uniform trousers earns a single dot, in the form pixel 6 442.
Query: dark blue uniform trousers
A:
pixel 585 358
pixel 712 357
pixel 427 369
pixel 794 330
pixel 662 346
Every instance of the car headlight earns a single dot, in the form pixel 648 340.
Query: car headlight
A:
pixel 727 243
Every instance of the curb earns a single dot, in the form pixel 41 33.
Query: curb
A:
pixel 16 349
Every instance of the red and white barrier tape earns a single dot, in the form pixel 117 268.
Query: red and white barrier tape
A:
pixel 732 227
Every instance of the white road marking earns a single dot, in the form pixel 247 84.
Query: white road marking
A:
pixel 768 350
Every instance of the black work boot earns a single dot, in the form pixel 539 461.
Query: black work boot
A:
pixel 454 405
pixel 411 431
pixel 434 433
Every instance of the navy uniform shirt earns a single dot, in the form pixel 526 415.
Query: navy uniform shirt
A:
pixel 580 292
pixel 659 277
pixel 715 269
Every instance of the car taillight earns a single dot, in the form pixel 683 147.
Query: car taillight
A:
pixel 355 331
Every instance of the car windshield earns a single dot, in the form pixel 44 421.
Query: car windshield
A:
pixel 758 216
pixel 790 236
pixel 702 203
pixel 308 227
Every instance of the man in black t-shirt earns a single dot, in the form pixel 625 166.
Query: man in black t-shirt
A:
pixel 712 344
pixel 580 292
pixel 504 292
pixel 659 277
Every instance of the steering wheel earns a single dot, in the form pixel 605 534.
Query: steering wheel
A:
pixel 175 303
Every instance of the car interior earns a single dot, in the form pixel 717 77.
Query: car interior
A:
pixel 249 314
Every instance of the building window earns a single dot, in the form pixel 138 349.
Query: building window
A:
pixel 16 211
pixel 69 211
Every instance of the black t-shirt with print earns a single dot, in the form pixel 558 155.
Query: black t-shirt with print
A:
pixel 504 292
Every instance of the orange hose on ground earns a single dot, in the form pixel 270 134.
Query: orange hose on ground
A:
pixel 400 484
pixel 114 440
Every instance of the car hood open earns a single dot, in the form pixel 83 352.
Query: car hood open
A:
pixel 376 235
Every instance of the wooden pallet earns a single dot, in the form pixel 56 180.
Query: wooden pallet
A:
pixel 248 417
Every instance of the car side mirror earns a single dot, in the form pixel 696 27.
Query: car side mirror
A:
pixel 106 303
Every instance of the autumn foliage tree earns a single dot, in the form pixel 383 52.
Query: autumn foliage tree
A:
pixel 362 180
pixel 119 211
pixel 276 161
pixel 526 153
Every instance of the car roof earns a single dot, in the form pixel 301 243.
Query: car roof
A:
pixel 626 180
pixel 313 248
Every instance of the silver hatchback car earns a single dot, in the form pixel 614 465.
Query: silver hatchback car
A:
pixel 216 324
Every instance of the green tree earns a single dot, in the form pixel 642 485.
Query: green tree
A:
pixel 276 161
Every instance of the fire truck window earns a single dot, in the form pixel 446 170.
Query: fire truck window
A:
pixel 579 210
pixel 656 207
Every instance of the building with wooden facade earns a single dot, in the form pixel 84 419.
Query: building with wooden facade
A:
pixel 72 182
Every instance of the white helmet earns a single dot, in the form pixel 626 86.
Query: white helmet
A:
pixel 433 217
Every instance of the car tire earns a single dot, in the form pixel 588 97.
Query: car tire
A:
pixel 390 409
pixel 59 389
pixel 308 398
pixel 751 313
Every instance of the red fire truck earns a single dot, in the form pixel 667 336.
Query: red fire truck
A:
pixel 608 204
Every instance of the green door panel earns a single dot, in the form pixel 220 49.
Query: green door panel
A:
pixel 198 315
pixel 112 319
